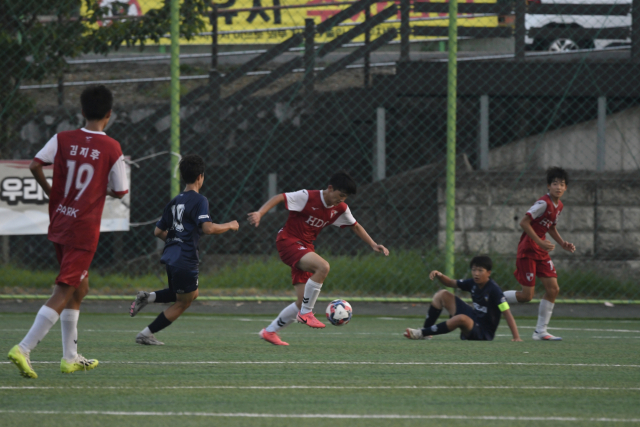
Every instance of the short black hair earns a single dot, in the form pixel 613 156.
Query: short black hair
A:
pixel 556 172
pixel 96 102
pixel 191 167
pixel 342 181
pixel 482 261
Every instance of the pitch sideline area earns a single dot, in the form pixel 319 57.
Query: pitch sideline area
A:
pixel 215 369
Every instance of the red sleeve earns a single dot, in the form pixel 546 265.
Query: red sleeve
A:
pixel 42 162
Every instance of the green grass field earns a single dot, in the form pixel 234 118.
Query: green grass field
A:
pixel 214 370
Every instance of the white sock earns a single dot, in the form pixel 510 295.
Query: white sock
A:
pixel 69 326
pixel 146 332
pixel 311 292
pixel 45 319
pixel 152 297
pixel 511 297
pixel 544 315
pixel 286 317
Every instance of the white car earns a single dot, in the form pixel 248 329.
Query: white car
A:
pixel 567 36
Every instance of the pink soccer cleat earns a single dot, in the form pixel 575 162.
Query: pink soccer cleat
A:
pixel 271 337
pixel 310 320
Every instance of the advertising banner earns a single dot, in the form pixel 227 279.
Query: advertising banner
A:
pixel 24 207
pixel 275 26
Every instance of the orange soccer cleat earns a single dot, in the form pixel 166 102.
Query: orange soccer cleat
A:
pixel 271 337
pixel 310 320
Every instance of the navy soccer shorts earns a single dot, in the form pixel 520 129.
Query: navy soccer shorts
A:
pixel 478 333
pixel 182 281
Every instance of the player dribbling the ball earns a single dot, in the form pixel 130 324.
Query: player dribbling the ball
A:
pixel 309 212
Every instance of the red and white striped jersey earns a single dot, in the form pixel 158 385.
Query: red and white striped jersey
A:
pixel 308 214
pixel 85 165
pixel 543 215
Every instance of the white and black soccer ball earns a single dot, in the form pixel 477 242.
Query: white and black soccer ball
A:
pixel 339 312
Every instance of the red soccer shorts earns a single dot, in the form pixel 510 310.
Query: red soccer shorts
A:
pixel 527 269
pixel 74 264
pixel 291 251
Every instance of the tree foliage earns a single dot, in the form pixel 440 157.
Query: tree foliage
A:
pixel 36 37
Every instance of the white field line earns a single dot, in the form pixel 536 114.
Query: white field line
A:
pixel 320 387
pixel 221 362
pixel 325 416
pixel 584 329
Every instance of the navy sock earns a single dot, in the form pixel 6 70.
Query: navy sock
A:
pixel 165 295
pixel 439 329
pixel 432 316
pixel 159 324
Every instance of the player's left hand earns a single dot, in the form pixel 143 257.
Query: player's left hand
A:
pixel 516 339
pixel 380 248
pixel 254 218
pixel 568 246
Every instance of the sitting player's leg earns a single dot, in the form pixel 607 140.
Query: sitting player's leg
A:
pixel 143 298
pixel 286 317
pixel 313 263
pixel 525 274
pixel 443 299
pixel 71 360
pixel 551 291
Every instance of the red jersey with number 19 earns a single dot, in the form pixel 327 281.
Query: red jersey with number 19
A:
pixel 85 165
pixel 543 215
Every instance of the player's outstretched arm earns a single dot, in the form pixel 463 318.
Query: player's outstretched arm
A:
pixel 254 217
pixel 525 224
pixel 161 234
pixel 512 325
pixel 364 236
pixel 451 283
pixel 213 228
pixel 38 174
pixel 569 247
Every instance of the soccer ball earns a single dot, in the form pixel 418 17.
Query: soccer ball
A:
pixel 339 312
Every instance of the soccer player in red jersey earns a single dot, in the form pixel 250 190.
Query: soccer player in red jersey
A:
pixel 87 166
pixel 309 212
pixel 533 252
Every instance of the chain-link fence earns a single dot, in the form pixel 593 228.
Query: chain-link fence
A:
pixel 277 97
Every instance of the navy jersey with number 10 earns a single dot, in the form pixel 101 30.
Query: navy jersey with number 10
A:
pixel 183 217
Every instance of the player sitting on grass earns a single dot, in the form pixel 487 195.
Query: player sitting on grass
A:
pixel 478 323
pixel 87 166
pixel 533 252
pixel 184 219
pixel 309 212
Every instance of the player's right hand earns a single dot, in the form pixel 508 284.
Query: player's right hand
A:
pixel 434 274
pixel 254 218
pixel 547 245
pixel 234 226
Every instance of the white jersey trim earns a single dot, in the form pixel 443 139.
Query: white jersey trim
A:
pixel 538 208
pixel 297 200
pixel 118 181
pixel 345 220
pixel 48 153
pixel 92 131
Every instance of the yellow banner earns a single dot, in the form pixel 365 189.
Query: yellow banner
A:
pixel 274 26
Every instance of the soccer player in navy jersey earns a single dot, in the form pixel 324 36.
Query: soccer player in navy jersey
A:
pixel 184 219
pixel 309 212
pixel 88 165
pixel 477 323
pixel 533 252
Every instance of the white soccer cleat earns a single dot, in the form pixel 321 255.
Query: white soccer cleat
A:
pixel 142 299
pixel 544 336
pixel 415 334
pixel 147 340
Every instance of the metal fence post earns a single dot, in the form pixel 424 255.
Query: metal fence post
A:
pixel 61 89
pixel 367 56
pixel 309 55
pixel 635 31
pixel 602 127
pixel 175 95
pixel 405 29
pixel 520 30
pixel 214 75
pixel 272 188
pixel 452 91
pixel 483 158
pixel 380 151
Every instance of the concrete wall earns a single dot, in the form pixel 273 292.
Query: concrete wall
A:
pixel 574 147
